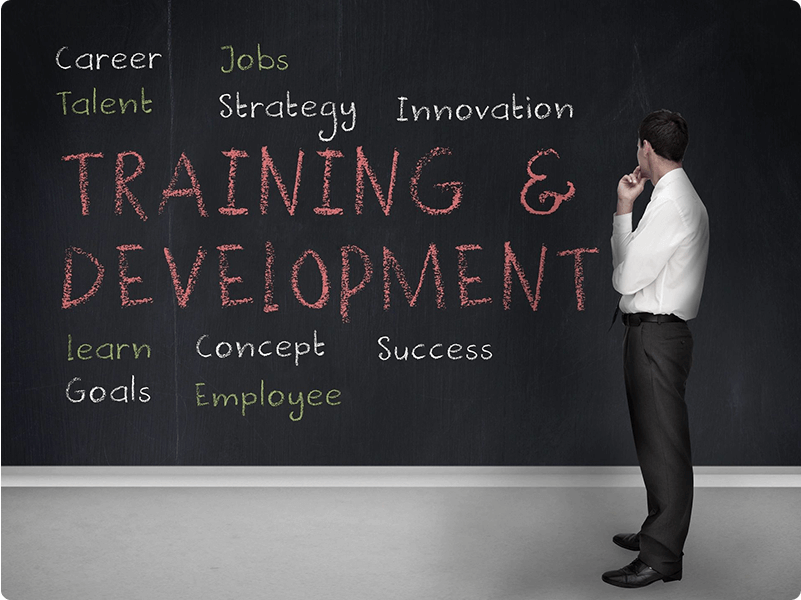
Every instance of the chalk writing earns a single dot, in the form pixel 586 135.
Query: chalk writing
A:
pixel 269 172
pixel 435 351
pixel 356 269
pixel 89 61
pixel 77 392
pixel 244 62
pixel 274 398
pixel 504 111
pixel 280 109
pixel 88 105
pixel 265 348
pixel 107 350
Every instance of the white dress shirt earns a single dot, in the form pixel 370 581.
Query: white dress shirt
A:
pixel 660 267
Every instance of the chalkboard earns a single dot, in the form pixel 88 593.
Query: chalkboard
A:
pixel 377 233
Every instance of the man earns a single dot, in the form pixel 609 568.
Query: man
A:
pixel 659 271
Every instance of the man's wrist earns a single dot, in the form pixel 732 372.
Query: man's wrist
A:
pixel 624 207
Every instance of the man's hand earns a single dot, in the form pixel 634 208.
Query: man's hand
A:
pixel 628 189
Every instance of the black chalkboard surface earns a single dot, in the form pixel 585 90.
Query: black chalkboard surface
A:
pixel 377 233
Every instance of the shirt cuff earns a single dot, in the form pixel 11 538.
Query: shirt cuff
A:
pixel 621 224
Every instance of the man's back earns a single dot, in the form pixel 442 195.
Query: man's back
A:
pixel 660 267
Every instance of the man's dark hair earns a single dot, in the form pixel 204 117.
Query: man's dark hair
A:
pixel 667 133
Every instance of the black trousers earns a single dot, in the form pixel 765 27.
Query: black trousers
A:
pixel 656 361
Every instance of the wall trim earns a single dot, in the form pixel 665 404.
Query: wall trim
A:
pixel 381 477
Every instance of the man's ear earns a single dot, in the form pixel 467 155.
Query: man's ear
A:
pixel 648 149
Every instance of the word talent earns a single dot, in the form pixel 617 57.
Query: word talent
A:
pixel 91 105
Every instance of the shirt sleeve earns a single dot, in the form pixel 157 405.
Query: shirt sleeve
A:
pixel 639 256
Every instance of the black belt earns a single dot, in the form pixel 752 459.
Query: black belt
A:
pixel 634 319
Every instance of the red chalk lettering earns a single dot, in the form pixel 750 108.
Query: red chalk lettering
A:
pixel 464 280
pixel 267 165
pixel 125 280
pixel 454 187
pixel 182 294
pixel 231 209
pixel 432 258
pixel 578 266
pixel 194 190
pixel 225 280
pixel 362 167
pixel 121 183
pixel 543 197
pixel 67 301
pixel 347 292
pixel 325 294
pixel 326 209
pixel 510 262
pixel 83 176
pixel 269 306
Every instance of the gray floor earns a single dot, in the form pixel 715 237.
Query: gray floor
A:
pixel 382 543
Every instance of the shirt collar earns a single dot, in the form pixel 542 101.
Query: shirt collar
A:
pixel 667 178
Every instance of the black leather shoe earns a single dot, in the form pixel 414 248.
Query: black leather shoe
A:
pixel 637 575
pixel 629 541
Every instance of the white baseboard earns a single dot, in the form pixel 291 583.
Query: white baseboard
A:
pixel 382 477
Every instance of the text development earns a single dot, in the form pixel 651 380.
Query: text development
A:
pixel 357 266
